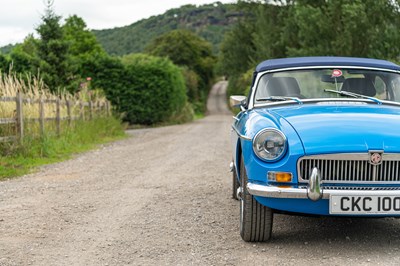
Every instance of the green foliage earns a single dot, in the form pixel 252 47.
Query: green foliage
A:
pixel 187 114
pixel 267 32
pixel 52 50
pixel 82 48
pixel 240 85
pixel 107 73
pixel 155 90
pixel 36 151
pixel 61 54
pixel 207 21
pixel 81 42
pixel 192 84
pixel 182 47
pixel 186 49
pixel 4 63
pixel 349 28
pixel 24 57
pixel 145 89
pixel 7 49
pixel 309 28
pixel 237 50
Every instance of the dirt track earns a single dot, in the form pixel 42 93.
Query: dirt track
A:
pixel 162 197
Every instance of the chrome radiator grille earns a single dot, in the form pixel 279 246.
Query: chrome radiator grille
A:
pixel 352 168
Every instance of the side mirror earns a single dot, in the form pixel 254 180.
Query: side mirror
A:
pixel 237 100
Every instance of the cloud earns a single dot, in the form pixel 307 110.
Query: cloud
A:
pixel 14 35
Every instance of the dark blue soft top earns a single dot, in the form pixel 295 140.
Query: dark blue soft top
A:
pixel 325 61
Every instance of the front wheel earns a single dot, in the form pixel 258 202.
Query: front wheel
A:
pixel 255 219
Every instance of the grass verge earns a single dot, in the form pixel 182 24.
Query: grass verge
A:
pixel 21 158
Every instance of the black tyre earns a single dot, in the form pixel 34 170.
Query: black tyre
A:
pixel 255 219
pixel 235 185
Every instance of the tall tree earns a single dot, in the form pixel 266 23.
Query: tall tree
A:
pixel 364 28
pixel 273 29
pixel 267 33
pixel 238 51
pixel 186 49
pixel 83 49
pixel 236 47
pixel 81 41
pixel 52 50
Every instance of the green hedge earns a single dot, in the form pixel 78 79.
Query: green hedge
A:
pixel 144 89
pixel 155 90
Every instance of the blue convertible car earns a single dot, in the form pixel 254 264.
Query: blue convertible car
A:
pixel 319 136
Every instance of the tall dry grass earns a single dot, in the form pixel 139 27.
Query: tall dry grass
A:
pixel 33 89
pixel 39 147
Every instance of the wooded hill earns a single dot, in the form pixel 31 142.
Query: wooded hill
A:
pixel 209 21
pixel 6 49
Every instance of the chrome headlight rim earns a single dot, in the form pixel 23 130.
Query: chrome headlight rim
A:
pixel 281 155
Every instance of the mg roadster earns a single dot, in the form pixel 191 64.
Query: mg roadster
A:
pixel 317 136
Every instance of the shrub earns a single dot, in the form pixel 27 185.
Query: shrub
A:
pixel 196 96
pixel 192 84
pixel 155 90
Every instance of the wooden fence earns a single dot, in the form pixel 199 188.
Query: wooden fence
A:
pixel 19 120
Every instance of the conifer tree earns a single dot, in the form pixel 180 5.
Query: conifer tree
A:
pixel 53 50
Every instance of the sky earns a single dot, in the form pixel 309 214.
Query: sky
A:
pixel 18 18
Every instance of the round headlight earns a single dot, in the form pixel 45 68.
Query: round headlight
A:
pixel 269 144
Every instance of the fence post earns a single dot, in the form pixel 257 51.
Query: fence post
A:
pixel 68 103
pixel 41 115
pixel 108 108
pixel 98 109
pixel 58 116
pixel 20 116
pixel 82 110
pixel 90 110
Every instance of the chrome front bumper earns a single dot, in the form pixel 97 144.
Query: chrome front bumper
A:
pixel 302 193
pixel 314 191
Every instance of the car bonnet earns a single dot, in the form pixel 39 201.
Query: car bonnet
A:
pixel 343 127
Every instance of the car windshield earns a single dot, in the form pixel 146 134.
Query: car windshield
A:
pixel 328 83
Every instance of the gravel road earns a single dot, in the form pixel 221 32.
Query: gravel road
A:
pixel 162 197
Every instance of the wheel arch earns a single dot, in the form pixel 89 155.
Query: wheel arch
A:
pixel 238 158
